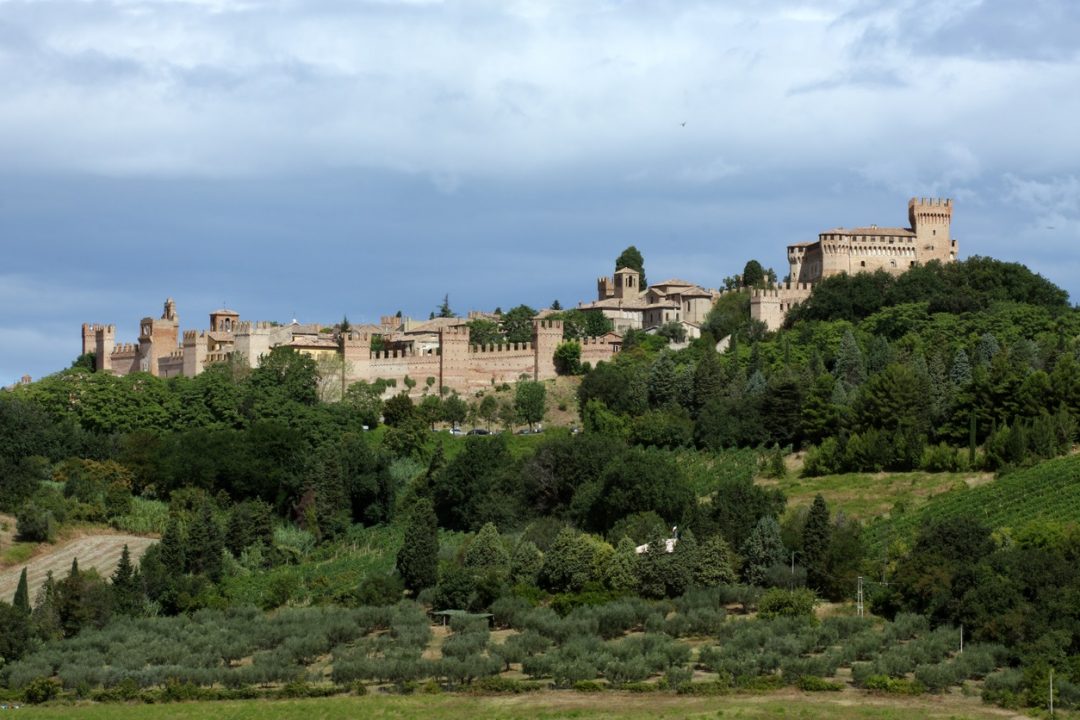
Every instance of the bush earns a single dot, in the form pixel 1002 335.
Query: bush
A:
pixel 812 683
pixel 893 686
pixel 41 690
pixel 35 524
pixel 777 603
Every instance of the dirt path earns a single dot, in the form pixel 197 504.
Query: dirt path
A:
pixel 101 552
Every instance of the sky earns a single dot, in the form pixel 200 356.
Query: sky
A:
pixel 313 159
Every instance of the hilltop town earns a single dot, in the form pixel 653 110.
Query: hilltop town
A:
pixel 442 348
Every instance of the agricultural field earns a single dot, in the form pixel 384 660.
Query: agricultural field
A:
pixel 542 706
pixel 689 645
pixel 866 496
pixel 98 551
pixel 1047 492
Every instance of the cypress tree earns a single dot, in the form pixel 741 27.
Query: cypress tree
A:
pixel 127 595
pixel 205 544
pixel 22 594
pixel 815 540
pixel 418 558
pixel 708 379
pixel 172 547
pixel 331 501
pixel 45 618
pixel 662 388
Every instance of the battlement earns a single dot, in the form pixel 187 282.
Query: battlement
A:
pixel 248 326
pixel 124 349
pixel 216 357
pixel 456 331
pixel 550 325
pixel 192 336
pixel 931 202
pixel 501 348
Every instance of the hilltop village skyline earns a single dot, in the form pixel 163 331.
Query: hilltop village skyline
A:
pixel 442 351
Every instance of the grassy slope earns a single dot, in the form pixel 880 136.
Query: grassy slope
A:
pixel 869 495
pixel 842 706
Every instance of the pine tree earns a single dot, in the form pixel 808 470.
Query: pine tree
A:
pixel 757 384
pixel 815 540
pixel 762 550
pixel 715 563
pixel 486 552
pixel 850 365
pixel 960 374
pixel 127 593
pixel 525 563
pixel 652 582
pixel 662 381
pixel 987 348
pixel 22 594
pixel 621 572
pixel 418 558
pixel 708 379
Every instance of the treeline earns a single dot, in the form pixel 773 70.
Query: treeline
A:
pixel 881 386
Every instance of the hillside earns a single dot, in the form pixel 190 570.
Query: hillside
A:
pixel 1049 491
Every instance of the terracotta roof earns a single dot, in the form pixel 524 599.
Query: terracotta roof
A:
pixel 434 325
pixel 224 311
pixel 615 304
pixel 672 281
pixel 658 305
pixel 626 270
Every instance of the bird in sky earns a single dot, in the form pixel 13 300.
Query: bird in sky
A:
pixel 684 123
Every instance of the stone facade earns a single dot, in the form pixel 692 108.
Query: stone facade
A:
pixel 629 306
pixel 863 249
pixel 452 361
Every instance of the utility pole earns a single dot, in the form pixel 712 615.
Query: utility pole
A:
pixel 859 599
pixel 1051 692
pixel 961 638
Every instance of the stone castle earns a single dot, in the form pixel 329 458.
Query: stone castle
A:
pixel 863 249
pixel 436 353
pixel 440 351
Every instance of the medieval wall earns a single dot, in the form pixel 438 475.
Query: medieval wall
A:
pixel 772 306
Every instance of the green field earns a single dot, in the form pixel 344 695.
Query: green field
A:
pixel 653 706
pixel 1047 492
pixel 869 495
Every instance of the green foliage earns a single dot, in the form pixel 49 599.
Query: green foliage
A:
pixel 568 358
pixel 15 637
pixel 780 603
pixel 417 560
pixel 762 550
pixel 631 258
pixel 530 398
pixel 486 552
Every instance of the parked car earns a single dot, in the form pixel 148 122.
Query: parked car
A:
pixel 479 431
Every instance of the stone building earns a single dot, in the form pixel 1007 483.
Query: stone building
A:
pixel 435 353
pixel 862 249
pixel 629 306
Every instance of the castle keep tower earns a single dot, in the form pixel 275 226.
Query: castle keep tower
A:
pixel 930 220
pixel 863 249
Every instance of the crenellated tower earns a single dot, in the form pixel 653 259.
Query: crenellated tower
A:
pixel 930 220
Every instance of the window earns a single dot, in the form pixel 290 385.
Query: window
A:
pixel 862 263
